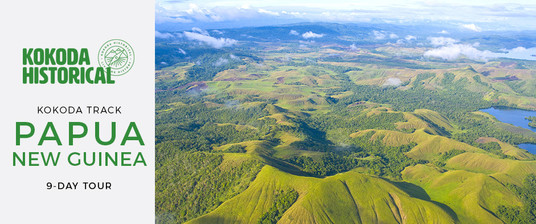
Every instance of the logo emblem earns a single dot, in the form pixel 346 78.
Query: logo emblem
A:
pixel 118 55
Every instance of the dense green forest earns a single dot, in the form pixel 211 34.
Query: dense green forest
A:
pixel 526 213
pixel 532 121
pixel 283 201
pixel 197 184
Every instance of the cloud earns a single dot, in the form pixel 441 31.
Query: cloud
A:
pixel 443 32
pixel 217 32
pixel 201 31
pixel 441 41
pixel 472 27
pixel 519 53
pixel 210 41
pixel 163 15
pixel 455 51
pixel 294 32
pixel 220 62
pixel 234 57
pixel 199 14
pixel 194 12
pixel 353 47
pixel 162 35
pixel 232 104
pixel 518 50
pixel 392 82
pixel 306 43
pixel 182 51
pixel 410 37
pixel 310 34
pixel 378 35
pixel 268 12
pixel 497 15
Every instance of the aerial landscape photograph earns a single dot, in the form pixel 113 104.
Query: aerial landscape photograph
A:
pixel 345 111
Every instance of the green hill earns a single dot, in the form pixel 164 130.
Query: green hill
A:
pixel 474 197
pixel 428 146
pixel 344 198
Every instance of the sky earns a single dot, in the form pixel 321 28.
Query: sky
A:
pixel 486 15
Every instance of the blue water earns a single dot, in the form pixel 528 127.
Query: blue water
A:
pixel 515 117
pixel 520 53
pixel 529 147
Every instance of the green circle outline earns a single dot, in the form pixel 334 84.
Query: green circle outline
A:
pixel 133 55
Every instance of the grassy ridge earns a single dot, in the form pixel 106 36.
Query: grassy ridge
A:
pixel 474 197
pixel 345 198
pixel 428 146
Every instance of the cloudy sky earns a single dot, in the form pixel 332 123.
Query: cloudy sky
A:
pixel 487 15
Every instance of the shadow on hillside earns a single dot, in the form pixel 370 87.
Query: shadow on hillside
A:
pixel 284 166
pixel 418 192
pixel 212 219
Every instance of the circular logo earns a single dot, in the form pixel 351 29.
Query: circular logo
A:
pixel 118 55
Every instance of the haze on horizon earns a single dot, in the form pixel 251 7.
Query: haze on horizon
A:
pixel 476 16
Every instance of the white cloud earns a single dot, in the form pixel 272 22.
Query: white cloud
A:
pixel 220 62
pixel 217 32
pixel 455 51
pixel 519 53
pixel 410 37
pixel 307 42
pixel 353 47
pixel 268 12
pixel 201 31
pixel 472 27
pixel 182 51
pixel 378 35
pixel 211 41
pixel 194 12
pixel 443 32
pixel 162 35
pixel 199 14
pixel 393 36
pixel 310 34
pixel 294 32
pixel 234 57
pixel 392 82
pixel 518 50
pixel 295 14
pixel 441 41
pixel 163 15
pixel 495 15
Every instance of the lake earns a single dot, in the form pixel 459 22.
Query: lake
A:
pixel 519 53
pixel 515 117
